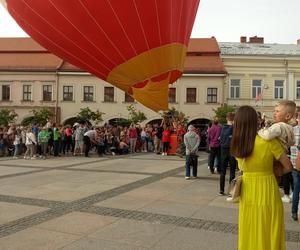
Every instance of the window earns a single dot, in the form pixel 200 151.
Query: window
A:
pixel 68 93
pixel 212 95
pixel 234 88
pixel 88 93
pixel 172 95
pixel 298 90
pixel 278 89
pixel 256 88
pixel 26 92
pixel 5 92
pixel 47 93
pixel 191 95
pixel 108 94
pixel 128 98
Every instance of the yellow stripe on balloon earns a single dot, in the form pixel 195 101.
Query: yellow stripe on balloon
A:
pixel 148 63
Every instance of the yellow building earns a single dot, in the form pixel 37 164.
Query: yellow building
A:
pixel 260 74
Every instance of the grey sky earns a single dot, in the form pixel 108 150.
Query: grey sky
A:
pixel 278 21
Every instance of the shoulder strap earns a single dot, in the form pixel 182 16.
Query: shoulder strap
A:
pixel 242 166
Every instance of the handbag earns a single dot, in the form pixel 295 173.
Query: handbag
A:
pixel 235 186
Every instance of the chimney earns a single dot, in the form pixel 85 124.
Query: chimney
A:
pixel 255 39
pixel 243 39
pixel 298 42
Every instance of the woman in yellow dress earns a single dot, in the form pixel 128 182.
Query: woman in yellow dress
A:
pixel 261 218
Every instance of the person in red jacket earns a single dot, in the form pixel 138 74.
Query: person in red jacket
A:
pixel 132 134
pixel 166 139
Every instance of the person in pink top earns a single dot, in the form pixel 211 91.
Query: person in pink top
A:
pixel 166 136
pixel 214 145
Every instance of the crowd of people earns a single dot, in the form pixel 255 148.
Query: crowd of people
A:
pixel 81 139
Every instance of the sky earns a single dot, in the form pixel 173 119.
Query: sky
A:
pixel 278 21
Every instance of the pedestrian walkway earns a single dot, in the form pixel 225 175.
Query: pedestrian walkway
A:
pixel 139 201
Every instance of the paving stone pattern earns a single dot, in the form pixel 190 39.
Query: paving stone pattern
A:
pixel 58 208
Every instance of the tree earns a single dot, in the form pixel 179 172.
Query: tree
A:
pixel 135 116
pixel 27 121
pixel 41 116
pixel 222 111
pixel 7 116
pixel 88 115
pixel 173 115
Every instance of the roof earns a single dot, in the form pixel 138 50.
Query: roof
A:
pixel 19 45
pixel 204 65
pixel 203 56
pixel 24 54
pixel 204 45
pixel 258 49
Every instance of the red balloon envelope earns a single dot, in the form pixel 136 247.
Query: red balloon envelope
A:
pixel 138 46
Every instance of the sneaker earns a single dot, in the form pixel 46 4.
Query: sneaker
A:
pixel 216 170
pixel 286 199
pixel 221 193
pixel 195 177
pixel 15 157
pixel 187 177
pixel 229 199
pixel 291 196
pixel 33 158
pixel 295 217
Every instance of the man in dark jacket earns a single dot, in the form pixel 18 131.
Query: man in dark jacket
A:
pixel 225 139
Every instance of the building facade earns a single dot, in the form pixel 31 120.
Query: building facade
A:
pixel 32 78
pixel 260 74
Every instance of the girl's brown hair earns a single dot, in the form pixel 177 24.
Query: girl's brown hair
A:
pixel 244 132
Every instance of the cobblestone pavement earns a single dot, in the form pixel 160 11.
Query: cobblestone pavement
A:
pixel 57 198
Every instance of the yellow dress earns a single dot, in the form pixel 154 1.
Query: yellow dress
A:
pixel 261 218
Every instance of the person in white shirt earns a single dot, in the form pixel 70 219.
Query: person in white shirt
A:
pixel 89 138
pixel 30 142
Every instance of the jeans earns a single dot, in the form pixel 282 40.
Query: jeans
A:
pixel 44 147
pixel 55 147
pixel 214 153
pixel 225 159
pixel 17 150
pixel 287 181
pixel 295 201
pixel 87 142
pixel 191 160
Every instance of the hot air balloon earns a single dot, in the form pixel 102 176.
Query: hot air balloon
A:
pixel 138 46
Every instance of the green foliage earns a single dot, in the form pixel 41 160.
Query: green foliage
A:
pixel 7 116
pixel 28 121
pixel 135 116
pixel 41 116
pixel 173 115
pixel 88 115
pixel 222 111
